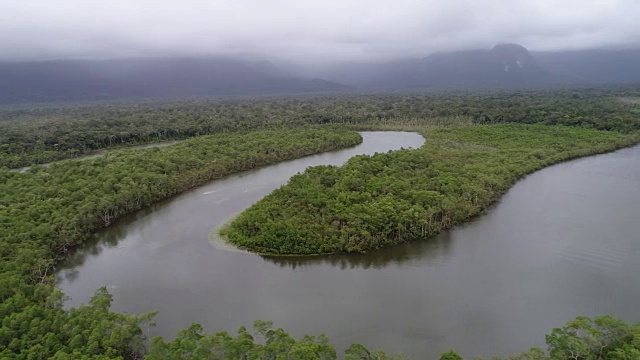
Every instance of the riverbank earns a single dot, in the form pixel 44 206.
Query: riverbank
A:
pixel 407 195
pixel 48 211
pixel 561 239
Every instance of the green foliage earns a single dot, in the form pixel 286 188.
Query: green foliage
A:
pixel 45 212
pixel 588 339
pixel 43 330
pixel 263 344
pixel 44 133
pixel 602 338
pixel 450 355
pixel 385 199
pixel 370 202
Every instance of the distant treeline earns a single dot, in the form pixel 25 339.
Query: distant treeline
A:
pixel 44 133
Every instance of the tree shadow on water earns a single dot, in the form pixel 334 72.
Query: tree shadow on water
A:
pixel 430 251
pixel 108 238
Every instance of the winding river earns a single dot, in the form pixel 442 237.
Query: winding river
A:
pixel 564 241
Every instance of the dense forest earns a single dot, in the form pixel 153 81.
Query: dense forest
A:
pixel 386 199
pixel 466 164
pixel 45 212
pixel 44 133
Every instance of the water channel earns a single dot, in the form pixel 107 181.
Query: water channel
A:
pixel 564 241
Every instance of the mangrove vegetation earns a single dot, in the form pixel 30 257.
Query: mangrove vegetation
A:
pixel 47 211
pixel 478 145
pixel 602 338
pixel 40 134
pixel 386 199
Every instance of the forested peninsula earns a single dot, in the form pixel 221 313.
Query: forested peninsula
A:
pixel 478 144
pixel 386 199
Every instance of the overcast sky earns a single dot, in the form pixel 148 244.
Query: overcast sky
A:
pixel 306 30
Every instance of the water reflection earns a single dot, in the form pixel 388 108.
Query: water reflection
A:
pixel 108 238
pixel 428 251
pixel 562 242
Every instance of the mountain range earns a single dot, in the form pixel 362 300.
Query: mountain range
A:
pixel 147 78
pixel 504 65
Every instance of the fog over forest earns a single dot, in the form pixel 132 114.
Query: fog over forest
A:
pixel 71 50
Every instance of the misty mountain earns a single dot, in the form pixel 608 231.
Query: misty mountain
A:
pixel 505 65
pixel 594 66
pixel 118 79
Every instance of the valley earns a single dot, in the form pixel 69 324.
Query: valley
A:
pixel 416 227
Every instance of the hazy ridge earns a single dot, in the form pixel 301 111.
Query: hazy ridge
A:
pixel 505 65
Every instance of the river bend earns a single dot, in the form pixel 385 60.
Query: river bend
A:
pixel 564 241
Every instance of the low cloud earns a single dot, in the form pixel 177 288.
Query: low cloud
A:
pixel 328 30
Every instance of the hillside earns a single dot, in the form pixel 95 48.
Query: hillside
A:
pixel 146 78
pixel 595 66
pixel 503 66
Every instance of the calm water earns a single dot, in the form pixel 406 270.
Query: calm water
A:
pixel 564 241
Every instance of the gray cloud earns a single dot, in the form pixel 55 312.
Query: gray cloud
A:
pixel 315 30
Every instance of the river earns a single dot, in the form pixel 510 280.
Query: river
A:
pixel 564 241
